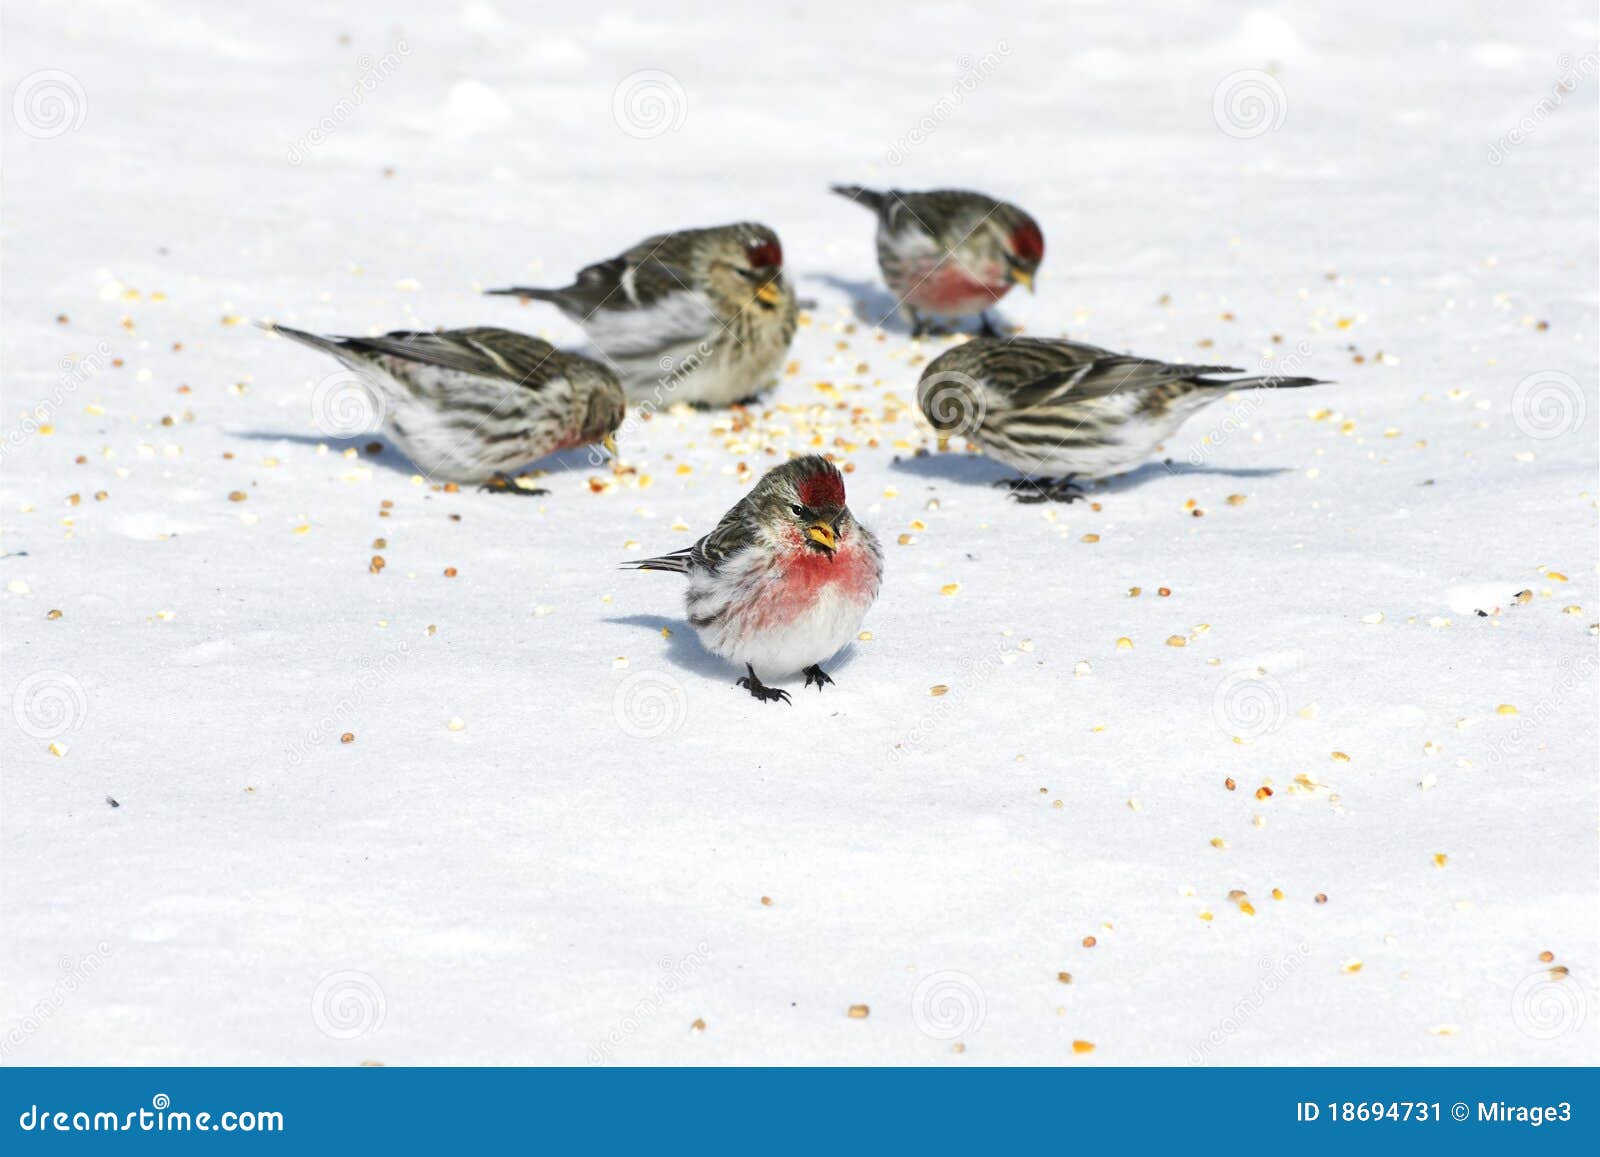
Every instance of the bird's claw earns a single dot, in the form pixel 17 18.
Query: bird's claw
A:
pixel 504 484
pixel 815 674
pixel 759 690
pixel 1033 490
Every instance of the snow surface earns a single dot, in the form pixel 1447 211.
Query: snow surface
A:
pixel 576 873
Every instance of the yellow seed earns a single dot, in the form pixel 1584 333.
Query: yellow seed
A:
pixel 1277 893
pixel 1440 859
pixel 939 689
pixel 1090 538
pixel 1340 757
pixel 1177 641
pixel 1505 709
pixel 1124 644
pixel 1082 1046
pixel 949 588
pixel 859 1012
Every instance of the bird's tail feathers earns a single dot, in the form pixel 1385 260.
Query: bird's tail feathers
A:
pixel 316 341
pixel 1264 382
pixel 862 196
pixel 677 562
pixel 530 292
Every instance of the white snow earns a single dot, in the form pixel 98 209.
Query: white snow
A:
pixel 574 870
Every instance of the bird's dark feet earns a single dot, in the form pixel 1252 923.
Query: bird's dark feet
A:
pixel 759 690
pixel 815 674
pixel 986 326
pixel 1032 490
pixel 505 484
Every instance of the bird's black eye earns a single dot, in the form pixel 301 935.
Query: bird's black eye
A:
pixel 799 511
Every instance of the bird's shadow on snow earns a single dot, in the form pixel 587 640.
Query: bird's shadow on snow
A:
pixel 976 470
pixel 390 457
pixel 874 305
pixel 685 650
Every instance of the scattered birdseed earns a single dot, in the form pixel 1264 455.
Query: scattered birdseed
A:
pixel 699 1024
pixel 1236 500
pixel 456 723
pixel 949 588
pixel 1124 644
pixel 1229 783
pixel 1350 966
pixel 237 496
pixel 1082 668
pixel 1082 1046
pixel 1089 942
pixel 1505 709
pixel 859 1012
pixel 1090 538
pixel 1164 592
pixel 1339 757
pixel 449 572
pixel 939 689
pixel 1373 619
pixel 1135 592
pixel 57 749
pixel 1440 859
pixel 1277 893
pixel 766 901
pixel 1177 641
pixel 1219 843
pixel 1321 897
pixel 53 615
pixel 1546 956
pixel 348 737
pixel 1064 977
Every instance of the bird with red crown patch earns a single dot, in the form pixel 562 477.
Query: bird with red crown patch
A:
pixel 951 252
pixel 784 580
pixel 703 316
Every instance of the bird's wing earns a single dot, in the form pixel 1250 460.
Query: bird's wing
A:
pixel 482 351
pixel 1081 372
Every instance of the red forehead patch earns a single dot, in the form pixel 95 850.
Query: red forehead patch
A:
pixel 764 254
pixel 824 488
pixel 1029 243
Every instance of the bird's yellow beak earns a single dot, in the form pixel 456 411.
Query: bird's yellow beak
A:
pixel 769 293
pixel 822 534
pixel 610 444
pixel 1023 279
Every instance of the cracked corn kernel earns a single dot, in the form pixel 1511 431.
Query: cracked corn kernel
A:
pixel 53 615
pixel 1177 641
pixel 1082 1046
pixel 348 737
pixel 766 901
pixel 1135 592
pixel 1090 538
pixel 949 588
pixel 1440 859
pixel 1546 956
pixel 1277 893
pixel 1064 977
pixel 237 496
pixel 859 1012
pixel 939 689
pixel 1219 843
pixel 1124 644
pixel 699 1024
pixel 1089 942
pixel 1339 757
pixel 1505 709
pixel 1350 966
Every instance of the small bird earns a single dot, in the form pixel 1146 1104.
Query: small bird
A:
pixel 784 580
pixel 951 251
pixel 702 315
pixel 477 404
pixel 1058 409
